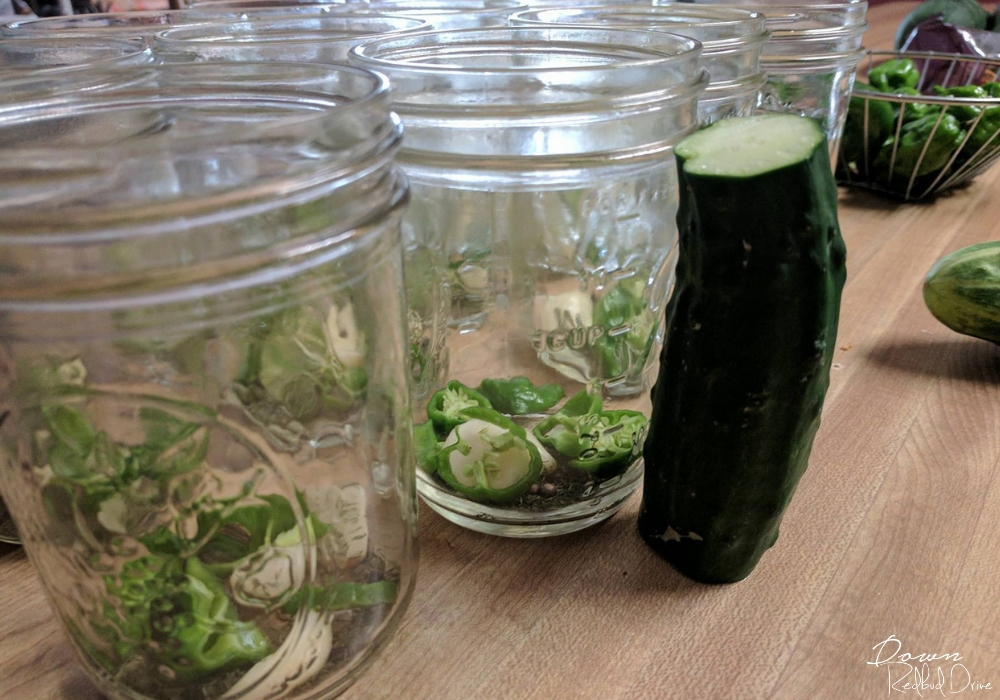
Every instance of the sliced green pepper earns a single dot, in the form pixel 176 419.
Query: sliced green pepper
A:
pixel 488 458
pixel 196 630
pixel 625 312
pixel 604 444
pixel 893 75
pixel 425 446
pixel 582 403
pixel 517 396
pixel 446 404
pixel 940 143
pixel 343 595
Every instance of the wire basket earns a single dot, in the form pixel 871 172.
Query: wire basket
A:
pixel 874 156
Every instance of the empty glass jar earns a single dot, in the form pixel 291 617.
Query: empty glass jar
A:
pixel 310 38
pixel 544 194
pixel 41 65
pixel 810 58
pixel 452 14
pixel 731 40
pixel 207 434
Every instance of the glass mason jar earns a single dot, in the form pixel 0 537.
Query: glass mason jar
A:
pixel 44 66
pixel 231 10
pixel 324 39
pixel 452 14
pixel 544 193
pixel 731 40
pixel 41 55
pixel 811 58
pixel 207 435
pixel 307 38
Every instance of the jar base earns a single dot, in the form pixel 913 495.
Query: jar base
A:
pixel 505 522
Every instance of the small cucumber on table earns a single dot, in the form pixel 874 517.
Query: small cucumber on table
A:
pixel 752 326
pixel 962 290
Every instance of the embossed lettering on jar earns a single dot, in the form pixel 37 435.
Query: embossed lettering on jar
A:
pixel 544 194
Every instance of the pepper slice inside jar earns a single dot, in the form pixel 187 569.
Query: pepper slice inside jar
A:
pixel 446 405
pixel 604 443
pixel 488 458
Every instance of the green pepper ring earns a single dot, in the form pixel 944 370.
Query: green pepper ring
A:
pixel 435 407
pixel 605 466
pixel 484 494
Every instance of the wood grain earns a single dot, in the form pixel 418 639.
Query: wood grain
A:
pixel 894 531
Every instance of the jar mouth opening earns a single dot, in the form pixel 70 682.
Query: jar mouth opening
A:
pixel 196 137
pixel 448 5
pixel 266 105
pixel 212 169
pixel 655 17
pixel 290 29
pixel 504 51
pixel 37 56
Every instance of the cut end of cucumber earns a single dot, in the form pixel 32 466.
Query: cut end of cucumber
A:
pixel 749 146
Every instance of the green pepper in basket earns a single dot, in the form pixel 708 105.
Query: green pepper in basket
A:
pixel 488 458
pixel 991 89
pixel 914 110
pixel 964 113
pixel 984 132
pixel 881 124
pixel 517 396
pixel 940 142
pixel 893 75
pixel 445 405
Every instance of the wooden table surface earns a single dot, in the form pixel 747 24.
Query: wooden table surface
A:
pixel 895 530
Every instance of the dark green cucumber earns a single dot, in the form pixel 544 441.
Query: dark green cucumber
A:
pixel 962 290
pixel 752 326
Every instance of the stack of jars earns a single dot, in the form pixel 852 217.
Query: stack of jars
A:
pixel 271 271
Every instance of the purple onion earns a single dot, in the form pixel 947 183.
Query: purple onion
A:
pixel 939 36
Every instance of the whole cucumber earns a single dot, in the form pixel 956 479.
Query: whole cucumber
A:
pixel 752 327
pixel 962 290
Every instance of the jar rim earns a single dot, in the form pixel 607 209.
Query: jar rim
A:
pixel 817 34
pixel 636 49
pixel 288 29
pixel 341 113
pixel 127 181
pixel 109 52
pixel 445 7
pixel 593 15
pixel 165 89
